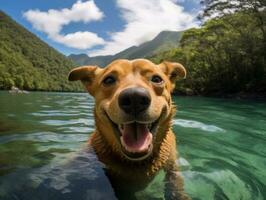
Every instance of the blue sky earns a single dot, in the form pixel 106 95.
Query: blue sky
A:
pixel 100 27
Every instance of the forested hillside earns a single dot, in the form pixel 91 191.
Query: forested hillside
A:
pixel 29 63
pixel 227 55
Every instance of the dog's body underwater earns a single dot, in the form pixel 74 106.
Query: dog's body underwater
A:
pixel 133 112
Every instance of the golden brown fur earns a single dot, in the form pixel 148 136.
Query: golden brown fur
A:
pixel 136 73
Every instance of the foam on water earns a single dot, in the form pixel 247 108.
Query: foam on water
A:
pixel 197 125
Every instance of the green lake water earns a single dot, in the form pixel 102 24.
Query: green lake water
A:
pixel 221 142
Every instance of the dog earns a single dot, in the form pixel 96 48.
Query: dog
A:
pixel 133 112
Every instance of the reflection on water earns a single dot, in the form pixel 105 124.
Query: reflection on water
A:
pixel 43 153
pixel 80 176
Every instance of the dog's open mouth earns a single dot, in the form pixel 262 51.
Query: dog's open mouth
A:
pixel 136 138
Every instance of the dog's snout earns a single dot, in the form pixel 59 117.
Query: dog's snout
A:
pixel 134 100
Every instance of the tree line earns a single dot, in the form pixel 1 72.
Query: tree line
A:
pixel 227 54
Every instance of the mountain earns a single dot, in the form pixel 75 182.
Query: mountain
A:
pixel 29 63
pixel 163 41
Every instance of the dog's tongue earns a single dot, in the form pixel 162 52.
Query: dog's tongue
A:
pixel 136 137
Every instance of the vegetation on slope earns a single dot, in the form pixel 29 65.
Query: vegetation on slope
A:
pixel 226 55
pixel 29 63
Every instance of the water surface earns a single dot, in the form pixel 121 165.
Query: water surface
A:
pixel 43 135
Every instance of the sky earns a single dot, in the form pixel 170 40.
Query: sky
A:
pixel 101 27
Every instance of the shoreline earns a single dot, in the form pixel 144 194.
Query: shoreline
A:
pixel 237 96
pixel 59 91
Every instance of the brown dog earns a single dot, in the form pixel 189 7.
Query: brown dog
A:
pixel 133 112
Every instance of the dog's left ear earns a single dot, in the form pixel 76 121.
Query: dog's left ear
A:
pixel 86 75
pixel 174 71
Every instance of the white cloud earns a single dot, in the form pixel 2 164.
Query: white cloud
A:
pixel 52 22
pixel 144 20
pixel 80 40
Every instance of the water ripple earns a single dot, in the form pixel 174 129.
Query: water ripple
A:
pixel 220 184
pixel 40 114
pixel 67 122
pixel 45 137
pixel 197 125
pixel 77 129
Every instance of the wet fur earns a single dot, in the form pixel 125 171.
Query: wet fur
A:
pixel 125 174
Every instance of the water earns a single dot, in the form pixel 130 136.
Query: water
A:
pixel 43 136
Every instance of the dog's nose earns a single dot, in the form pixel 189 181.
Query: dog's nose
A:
pixel 134 100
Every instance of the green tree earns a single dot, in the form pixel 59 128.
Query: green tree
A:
pixel 255 8
pixel 224 56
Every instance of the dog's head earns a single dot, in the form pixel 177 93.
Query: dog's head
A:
pixel 132 102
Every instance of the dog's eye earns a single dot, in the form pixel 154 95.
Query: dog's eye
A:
pixel 157 79
pixel 109 80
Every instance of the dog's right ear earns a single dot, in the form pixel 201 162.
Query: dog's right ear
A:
pixel 174 72
pixel 86 74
